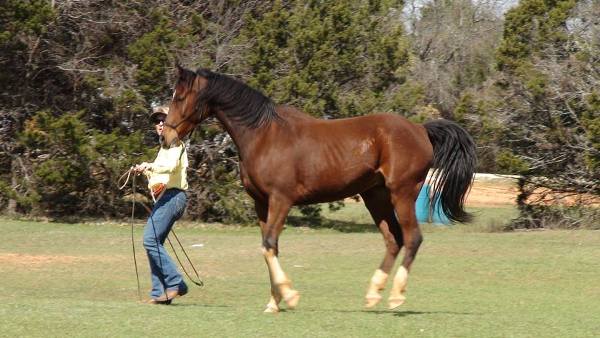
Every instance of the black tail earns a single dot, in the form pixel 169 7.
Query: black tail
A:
pixel 454 162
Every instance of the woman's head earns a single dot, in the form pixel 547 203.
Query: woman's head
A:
pixel 158 116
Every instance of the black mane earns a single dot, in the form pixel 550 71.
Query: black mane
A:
pixel 241 103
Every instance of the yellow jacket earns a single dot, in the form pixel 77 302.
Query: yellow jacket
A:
pixel 169 168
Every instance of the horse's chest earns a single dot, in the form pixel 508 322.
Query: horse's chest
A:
pixel 249 185
pixel 246 182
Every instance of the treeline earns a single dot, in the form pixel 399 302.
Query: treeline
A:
pixel 78 79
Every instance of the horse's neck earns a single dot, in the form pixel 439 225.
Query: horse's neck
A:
pixel 243 137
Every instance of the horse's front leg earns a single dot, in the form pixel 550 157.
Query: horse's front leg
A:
pixel 271 227
pixel 273 304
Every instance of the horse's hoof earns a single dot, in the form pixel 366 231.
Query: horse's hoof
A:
pixel 395 302
pixel 271 309
pixel 292 298
pixel 372 300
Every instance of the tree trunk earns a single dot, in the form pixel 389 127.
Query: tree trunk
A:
pixel 11 208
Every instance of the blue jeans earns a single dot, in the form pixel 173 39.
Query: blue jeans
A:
pixel 166 211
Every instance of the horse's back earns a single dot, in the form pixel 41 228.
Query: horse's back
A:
pixel 366 124
pixel 388 130
pixel 373 137
pixel 319 160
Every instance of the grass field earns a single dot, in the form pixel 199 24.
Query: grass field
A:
pixel 78 280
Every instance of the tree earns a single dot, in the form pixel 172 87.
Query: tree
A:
pixel 22 26
pixel 78 78
pixel 453 43
pixel 63 57
pixel 330 59
pixel 548 84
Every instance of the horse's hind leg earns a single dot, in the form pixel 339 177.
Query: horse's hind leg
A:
pixel 378 202
pixel 271 227
pixel 404 204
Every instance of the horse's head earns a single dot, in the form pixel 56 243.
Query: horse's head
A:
pixel 187 108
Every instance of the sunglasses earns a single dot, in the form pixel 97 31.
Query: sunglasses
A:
pixel 158 120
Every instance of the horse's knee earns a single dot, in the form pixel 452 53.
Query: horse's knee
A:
pixel 415 241
pixel 270 243
pixel 393 248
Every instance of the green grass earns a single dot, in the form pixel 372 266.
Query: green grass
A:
pixel 354 217
pixel 79 280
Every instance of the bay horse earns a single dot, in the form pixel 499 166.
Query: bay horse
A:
pixel 288 158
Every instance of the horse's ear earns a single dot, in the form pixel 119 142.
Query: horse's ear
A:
pixel 180 70
pixel 184 74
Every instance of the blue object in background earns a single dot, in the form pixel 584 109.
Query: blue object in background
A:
pixel 422 208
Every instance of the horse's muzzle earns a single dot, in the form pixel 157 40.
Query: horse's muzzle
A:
pixel 164 144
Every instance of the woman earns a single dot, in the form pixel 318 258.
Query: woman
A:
pixel 167 182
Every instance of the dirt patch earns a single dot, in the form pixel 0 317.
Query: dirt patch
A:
pixel 492 193
pixel 490 190
pixel 42 260
pixel 487 190
pixel 548 197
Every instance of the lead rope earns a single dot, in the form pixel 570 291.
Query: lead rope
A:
pixel 198 282
pixel 137 275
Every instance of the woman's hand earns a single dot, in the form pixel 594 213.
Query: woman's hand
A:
pixel 140 168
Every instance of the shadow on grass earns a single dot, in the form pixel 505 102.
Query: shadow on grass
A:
pixel 387 312
pixel 367 311
pixel 200 305
pixel 412 313
pixel 337 225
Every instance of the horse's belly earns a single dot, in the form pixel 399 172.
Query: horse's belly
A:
pixel 338 188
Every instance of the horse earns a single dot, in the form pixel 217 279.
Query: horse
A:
pixel 287 158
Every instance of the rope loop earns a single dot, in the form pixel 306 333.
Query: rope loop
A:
pixel 128 173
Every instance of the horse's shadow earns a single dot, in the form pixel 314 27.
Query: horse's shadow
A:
pixel 412 313
pixel 389 312
pixel 184 305
pixel 326 223
pixel 365 311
